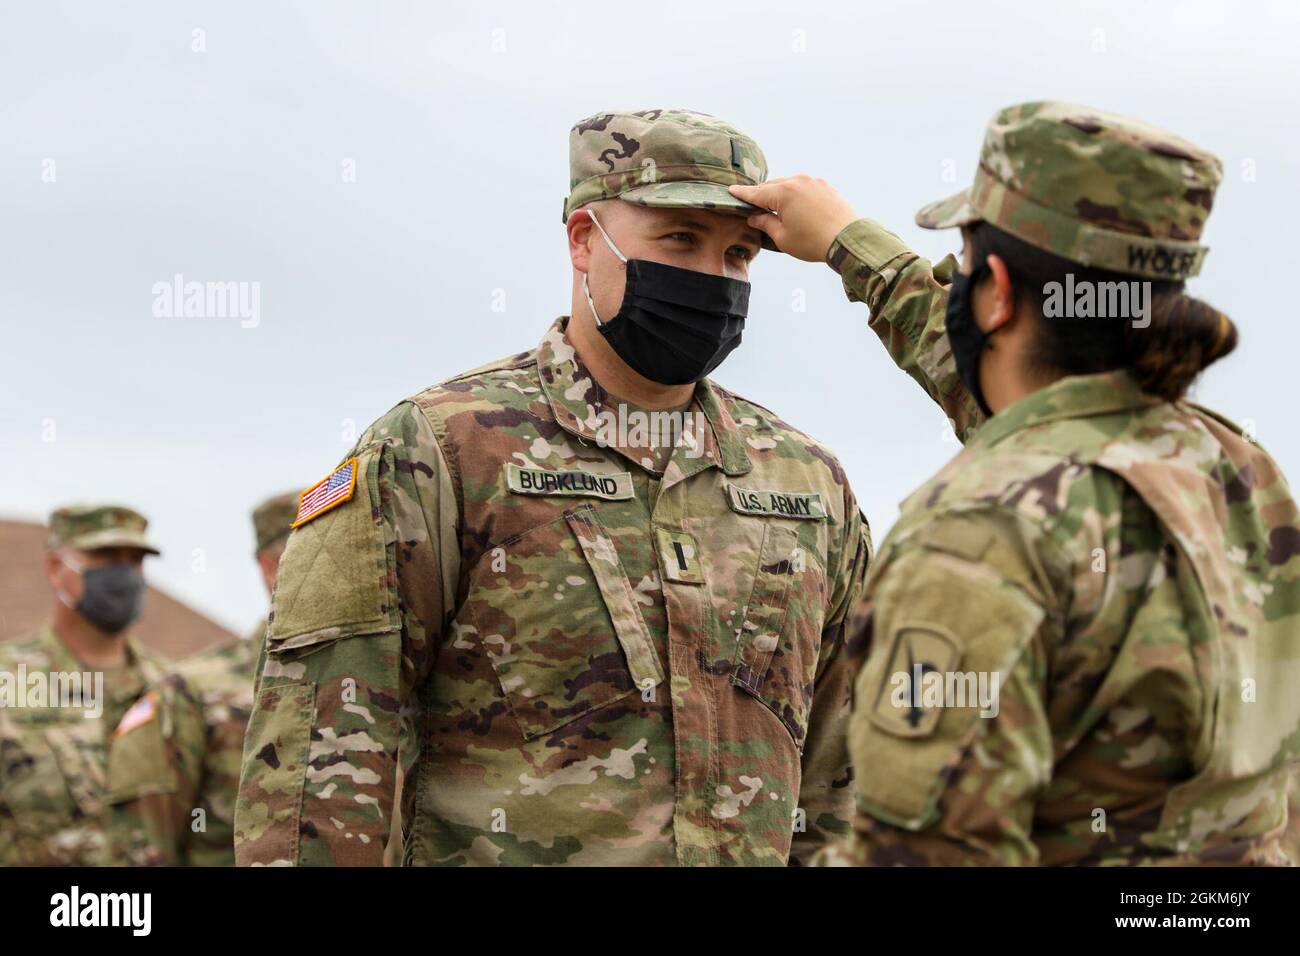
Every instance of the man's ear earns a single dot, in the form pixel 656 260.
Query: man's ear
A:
pixel 61 577
pixel 580 230
pixel 268 561
pixel 52 567
pixel 1000 295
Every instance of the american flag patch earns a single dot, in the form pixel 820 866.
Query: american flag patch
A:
pixel 142 711
pixel 330 491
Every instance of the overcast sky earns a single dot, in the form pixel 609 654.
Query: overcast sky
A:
pixel 127 156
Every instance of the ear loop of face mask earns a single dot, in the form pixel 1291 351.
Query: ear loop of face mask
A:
pixel 77 568
pixel 614 249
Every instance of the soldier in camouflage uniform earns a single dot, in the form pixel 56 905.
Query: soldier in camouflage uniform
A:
pixel 1126 561
pixel 74 692
pixel 578 645
pixel 206 702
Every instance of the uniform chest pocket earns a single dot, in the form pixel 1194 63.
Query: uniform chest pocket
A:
pixel 52 773
pixel 78 751
pixel 779 639
pixel 560 624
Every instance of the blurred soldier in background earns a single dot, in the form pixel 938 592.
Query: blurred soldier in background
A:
pixel 207 700
pixel 272 522
pixel 74 693
pixel 1126 562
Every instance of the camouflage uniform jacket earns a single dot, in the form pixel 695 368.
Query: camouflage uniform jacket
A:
pixel 190 822
pixel 1129 567
pixel 58 764
pixel 597 664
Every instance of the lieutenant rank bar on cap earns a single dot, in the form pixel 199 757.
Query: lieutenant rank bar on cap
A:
pixel 330 492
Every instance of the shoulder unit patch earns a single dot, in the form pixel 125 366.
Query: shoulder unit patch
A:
pixel 910 700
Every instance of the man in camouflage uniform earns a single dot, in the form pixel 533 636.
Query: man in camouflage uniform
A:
pixel 579 645
pixel 1129 567
pixel 206 702
pixel 72 693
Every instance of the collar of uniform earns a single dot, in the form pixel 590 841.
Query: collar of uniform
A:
pixel 1075 396
pixel 57 654
pixel 576 400
pixel 726 436
pixel 62 660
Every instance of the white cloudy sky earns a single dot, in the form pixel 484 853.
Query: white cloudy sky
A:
pixel 226 165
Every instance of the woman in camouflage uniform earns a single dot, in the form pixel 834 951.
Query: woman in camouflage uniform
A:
pixel 1082 636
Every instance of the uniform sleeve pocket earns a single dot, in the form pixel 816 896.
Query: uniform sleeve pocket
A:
pixel 139 764
pixel 269 808
pixel 336 570
pixel 947 635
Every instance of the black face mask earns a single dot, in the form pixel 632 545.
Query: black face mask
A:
pixel 675 326
pixel 964 336
pixel 111 596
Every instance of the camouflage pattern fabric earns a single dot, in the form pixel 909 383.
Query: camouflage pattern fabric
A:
pixel 206 703
pixel 663 158
pixel 59 767
pixel 1291 840
pixel 1127 566
pixel 1098 189
pixel 906 296
pixel 99 526
pixel 571 658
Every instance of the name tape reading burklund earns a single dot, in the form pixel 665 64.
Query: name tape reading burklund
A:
pixel 539 481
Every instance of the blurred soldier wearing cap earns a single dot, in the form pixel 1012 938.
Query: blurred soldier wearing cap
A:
pixel 589 644
pixel 207 702
pixel 73 692
pixel 272 522
pixel 1119 567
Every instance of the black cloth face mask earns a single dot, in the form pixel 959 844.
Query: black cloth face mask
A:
pixel 966 338
pixel 111 596
pixel 675 326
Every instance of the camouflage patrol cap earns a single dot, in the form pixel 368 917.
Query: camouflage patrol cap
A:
pixel 89 527
pixel 1097 189
pixel 675 159
pixel 273 519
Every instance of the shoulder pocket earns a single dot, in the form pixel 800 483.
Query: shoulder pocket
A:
pixel 139 764
pixel 948 634
pixel 334 578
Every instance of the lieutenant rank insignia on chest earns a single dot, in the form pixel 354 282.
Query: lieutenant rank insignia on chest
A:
pixel 331 491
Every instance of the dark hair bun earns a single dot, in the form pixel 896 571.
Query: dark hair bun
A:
pixel 1184 337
